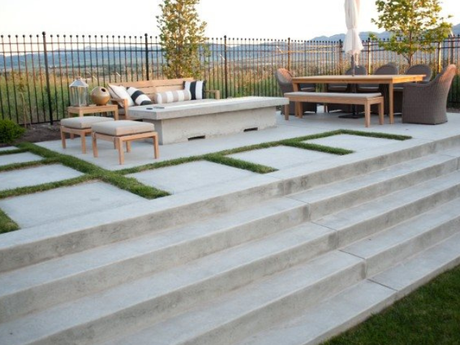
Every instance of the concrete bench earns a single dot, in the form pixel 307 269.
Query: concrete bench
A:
pixel 182 121
pixel 365 99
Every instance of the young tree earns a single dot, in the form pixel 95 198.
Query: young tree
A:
pixel 182 38
pixel 415 25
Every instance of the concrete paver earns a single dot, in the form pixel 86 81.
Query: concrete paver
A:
pixel 61 203
pixel 18 158
pixel 8 148
pixel 282 157
pixel 36 176
pixel 188 176
pixel 352 142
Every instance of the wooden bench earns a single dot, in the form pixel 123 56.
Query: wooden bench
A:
pixel 150 87
pixel 365 99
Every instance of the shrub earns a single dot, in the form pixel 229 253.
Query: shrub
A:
pixel 10 131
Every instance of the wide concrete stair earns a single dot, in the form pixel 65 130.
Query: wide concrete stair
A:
pixel 293 269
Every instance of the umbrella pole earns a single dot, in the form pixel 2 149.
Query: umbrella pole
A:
pixel 353 65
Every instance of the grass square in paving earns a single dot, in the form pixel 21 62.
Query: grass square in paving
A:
pixel 282 157
pixel 62 203
pixel 19 158
pixel 352 142
pixel 189 176
pixel 35 176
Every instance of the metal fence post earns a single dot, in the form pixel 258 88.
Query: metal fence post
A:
pixel 369 56
pixel 289 54
pixel 147 58
pixel 50 106
pixel 225 67
pixel 341 57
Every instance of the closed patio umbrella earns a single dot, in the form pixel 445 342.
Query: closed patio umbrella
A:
pixel 352 44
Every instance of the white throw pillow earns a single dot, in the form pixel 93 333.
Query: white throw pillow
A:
pixel 119 91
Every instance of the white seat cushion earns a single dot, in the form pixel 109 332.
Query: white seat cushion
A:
pixel 123 127
pixel 84 121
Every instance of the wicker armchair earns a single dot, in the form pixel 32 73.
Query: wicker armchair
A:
pixel 359 70
pixel 426 103
pixel 399 88
pixel 284 78
pixel 388 69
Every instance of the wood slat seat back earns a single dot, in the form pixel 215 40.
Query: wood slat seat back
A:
pixel 149 87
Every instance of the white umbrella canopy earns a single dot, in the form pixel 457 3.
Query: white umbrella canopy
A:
pixel 352 44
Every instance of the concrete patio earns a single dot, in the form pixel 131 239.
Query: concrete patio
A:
pixel 295 255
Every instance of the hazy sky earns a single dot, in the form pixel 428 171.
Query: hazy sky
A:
pixel 297 19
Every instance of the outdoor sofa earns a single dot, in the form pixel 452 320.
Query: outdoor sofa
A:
pixel 180 112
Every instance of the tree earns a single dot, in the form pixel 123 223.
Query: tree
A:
pixel 415 25
pixel 182 38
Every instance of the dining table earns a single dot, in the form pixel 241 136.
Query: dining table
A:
pixel 389 80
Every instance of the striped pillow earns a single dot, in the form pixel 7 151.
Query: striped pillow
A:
pixel 172 96
pixel 138 96
pixel 196 88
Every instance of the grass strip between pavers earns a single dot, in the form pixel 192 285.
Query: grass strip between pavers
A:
pixel 430 316
pixel 91 171
pixel 117 178
pixel 12 151
pixel 6 223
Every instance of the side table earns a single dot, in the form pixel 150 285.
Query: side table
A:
pixel 94 109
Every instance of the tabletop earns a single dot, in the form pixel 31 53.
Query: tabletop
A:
pixel 360 79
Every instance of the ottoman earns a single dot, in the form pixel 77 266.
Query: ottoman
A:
pixel 124 131
pixel 80 126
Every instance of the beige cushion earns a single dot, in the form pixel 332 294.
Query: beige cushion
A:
pixel 123 127
pixel 84 121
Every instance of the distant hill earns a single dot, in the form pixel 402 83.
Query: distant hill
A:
pixel 365 34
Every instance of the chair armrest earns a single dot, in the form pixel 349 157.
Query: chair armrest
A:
pixel 422 84
pixel 123 103
pixel 215 92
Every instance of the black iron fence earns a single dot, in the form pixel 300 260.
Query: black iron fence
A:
pixel 36 70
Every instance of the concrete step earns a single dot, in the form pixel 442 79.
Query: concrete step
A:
pixel 324 200
pixel 231 275
pixel 141 303
pixel 262 304
pixel 328 318
pixel 73 276
pixel 420 269
pixel 394 245
pixel 355 304
pixel 363 220
pixel 100 268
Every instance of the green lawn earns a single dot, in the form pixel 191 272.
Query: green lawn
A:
pixel 428 316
